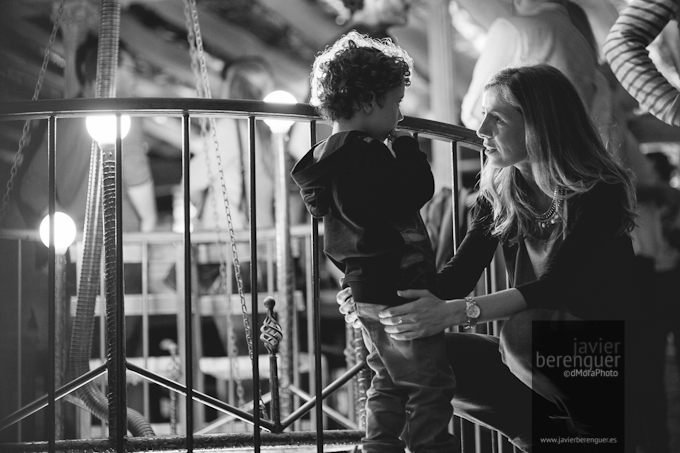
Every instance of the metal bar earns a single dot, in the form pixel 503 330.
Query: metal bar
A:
pixel 333 386
pixel 299 442
pixel 455 200
pixel 145 324
pixel 337 416
pixel 20 345
pixel 120 389
pixel 318 388
pixel 253 287
pixel 310 300
pixel 488 284
pixel 51 272
pixel 199 396
pixel 228 418
pixel 200 106
pixel 188 311
pixel 284 271
pixel 102 332
pixel 318 384
pixel 271 336
pixel 274 383
pixel 59 393
pixel 457 239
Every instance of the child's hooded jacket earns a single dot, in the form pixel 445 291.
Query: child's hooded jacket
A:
pixel 370 200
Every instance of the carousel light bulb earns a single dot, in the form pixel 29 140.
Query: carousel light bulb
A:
pixel 102 128
pixel 279 97
pixel 64 232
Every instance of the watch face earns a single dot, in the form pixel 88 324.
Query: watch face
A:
pixel 472 311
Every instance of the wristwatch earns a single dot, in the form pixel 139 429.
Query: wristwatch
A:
pixel 472 312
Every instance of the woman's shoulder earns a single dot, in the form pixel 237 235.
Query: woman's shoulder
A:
pixel 604 203
pixel 603 190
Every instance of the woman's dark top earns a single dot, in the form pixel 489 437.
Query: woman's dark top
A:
pixel 591 274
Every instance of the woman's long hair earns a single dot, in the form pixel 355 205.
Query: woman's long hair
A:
pixel 563 147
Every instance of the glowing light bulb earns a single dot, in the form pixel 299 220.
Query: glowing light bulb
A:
pixel 279 97
pixel 103 128
pixel 64 232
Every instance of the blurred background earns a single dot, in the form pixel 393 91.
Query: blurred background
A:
pixel 286 33
pixel 444 38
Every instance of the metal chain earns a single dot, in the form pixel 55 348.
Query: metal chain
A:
pixel 18 157
pixel 240 392
pixel 198 54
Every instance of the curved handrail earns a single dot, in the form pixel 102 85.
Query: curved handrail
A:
pixel 62 108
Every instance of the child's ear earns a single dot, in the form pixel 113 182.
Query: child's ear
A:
pixel 368 107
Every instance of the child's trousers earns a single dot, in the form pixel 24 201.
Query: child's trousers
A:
pixel 409 402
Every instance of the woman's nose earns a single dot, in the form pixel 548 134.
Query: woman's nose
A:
pixel 482 129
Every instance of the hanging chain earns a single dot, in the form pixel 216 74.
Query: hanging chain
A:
pixel 203 89
pixel 200 88
pixel 18 157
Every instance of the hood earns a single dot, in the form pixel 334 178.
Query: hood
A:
pixel 314 171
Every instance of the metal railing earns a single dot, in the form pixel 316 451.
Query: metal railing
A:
pixel 114 313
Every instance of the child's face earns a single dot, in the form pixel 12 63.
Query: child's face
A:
pixel 381 120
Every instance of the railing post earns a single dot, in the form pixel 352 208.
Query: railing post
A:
pixel 316 329
pixel 188 297
pixel 271 335
pixel 257 439
pixel 51 272
pixel 115 305
pixel 284 271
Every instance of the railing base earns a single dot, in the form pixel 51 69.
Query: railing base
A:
pixel 300 442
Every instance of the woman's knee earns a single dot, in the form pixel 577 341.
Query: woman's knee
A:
pixel 516 335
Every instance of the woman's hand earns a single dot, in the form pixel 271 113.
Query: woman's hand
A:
pixel 346 301
pixel 425 316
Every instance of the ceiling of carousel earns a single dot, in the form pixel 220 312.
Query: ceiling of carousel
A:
pixel 288 33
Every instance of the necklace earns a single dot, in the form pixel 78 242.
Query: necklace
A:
pixel 552 215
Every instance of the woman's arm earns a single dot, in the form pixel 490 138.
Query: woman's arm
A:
pixel 428 315
pixel 626 50
pixel 460 275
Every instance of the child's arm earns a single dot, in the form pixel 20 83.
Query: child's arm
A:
pixel 401 184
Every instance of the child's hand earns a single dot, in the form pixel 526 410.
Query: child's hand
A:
pixel 398 133
pixel 347 308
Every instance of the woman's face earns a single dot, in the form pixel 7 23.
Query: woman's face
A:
pixel 502 130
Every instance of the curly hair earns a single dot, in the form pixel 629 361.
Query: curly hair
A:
pixel 354 71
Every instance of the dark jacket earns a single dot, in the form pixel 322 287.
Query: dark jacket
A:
pixel 592 274
pixel 370 203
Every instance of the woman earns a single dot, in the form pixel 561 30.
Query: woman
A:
pixel 561 207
